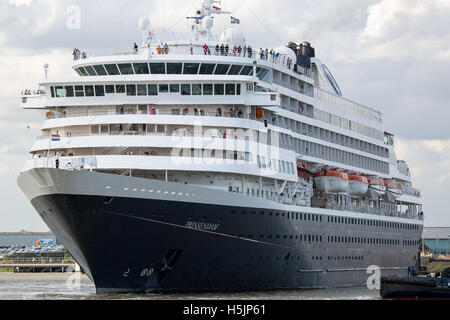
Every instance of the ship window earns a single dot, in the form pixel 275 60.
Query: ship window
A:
pixel 186 89
pixel 120 88
pixel 174 68
pixel 230 89
pixel 164 88
pixel 95 129
pixel 234 70
pixel 104 129
pixel 207 68
pixel 238 89
pixel 69 91
pixel 222 69
pixel 91 71
pixel 246 70
pixel 79 91
pixel 131 90
pixel 263 73
pixel 196 89
pixel 60 92
pixel 142 90
pixel 100 91
pixel 109 89
pixel 157 68
pixel 191 68
pixel 79 72
pixel 219 89
pixel 174 88
pixel 126 68
pixel 152 90
pixel 83 71
pixel 141 68
pixel 100 70
pixel 207 89
pixel 112 69
pixel 89 91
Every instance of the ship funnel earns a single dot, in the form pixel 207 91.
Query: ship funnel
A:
pixel 304 53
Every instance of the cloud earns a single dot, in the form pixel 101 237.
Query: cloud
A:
pixel 429 161
pixel 398 29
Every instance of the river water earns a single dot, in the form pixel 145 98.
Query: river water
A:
pixel 75 286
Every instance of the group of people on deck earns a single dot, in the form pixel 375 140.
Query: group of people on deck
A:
pixel 77 54
pixel 226 50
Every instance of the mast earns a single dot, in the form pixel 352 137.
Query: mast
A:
pixel 203 21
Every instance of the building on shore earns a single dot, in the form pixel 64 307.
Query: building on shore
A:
pixel 8 239
pixel 438 240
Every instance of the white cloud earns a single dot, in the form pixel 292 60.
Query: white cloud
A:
pixel 399 29
pixel 429 161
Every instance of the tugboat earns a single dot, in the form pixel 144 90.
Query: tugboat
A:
pixel 414 287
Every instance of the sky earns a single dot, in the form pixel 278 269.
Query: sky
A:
pixel 393 55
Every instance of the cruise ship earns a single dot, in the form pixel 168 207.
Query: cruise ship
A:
pixel 212 164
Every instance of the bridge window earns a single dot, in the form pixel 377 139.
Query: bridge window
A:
pixel 207 68
pixel 112 69
pixel 222 69
pixel 100 70
pixel 126 68
pixel 157 68
pixel 141 68
pixel 246 71
pixel 191 68
pixel 235 70
pixel 174 68
pixel 91 71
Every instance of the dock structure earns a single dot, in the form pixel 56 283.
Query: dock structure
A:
pixel 41 267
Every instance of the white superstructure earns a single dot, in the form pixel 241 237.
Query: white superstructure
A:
pixel 234 119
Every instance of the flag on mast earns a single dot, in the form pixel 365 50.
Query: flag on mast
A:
pixel 56 137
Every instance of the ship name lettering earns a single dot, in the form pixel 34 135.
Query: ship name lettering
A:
pixel 202 226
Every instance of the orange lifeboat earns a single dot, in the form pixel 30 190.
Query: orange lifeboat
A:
pixel 331 181
pixel 358 185
pixel 394 187
pixel 377 184
pixel 303 172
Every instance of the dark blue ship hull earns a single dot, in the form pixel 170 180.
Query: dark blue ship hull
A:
pixel 144 245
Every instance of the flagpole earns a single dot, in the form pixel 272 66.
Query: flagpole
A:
pixel 48 152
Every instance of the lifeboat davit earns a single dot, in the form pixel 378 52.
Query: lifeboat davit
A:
pixel 377 184
pixel 303 172
pixel 331 181
pixel 357 185
pixel 394 187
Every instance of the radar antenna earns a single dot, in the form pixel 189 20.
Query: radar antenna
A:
pixel 203 19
